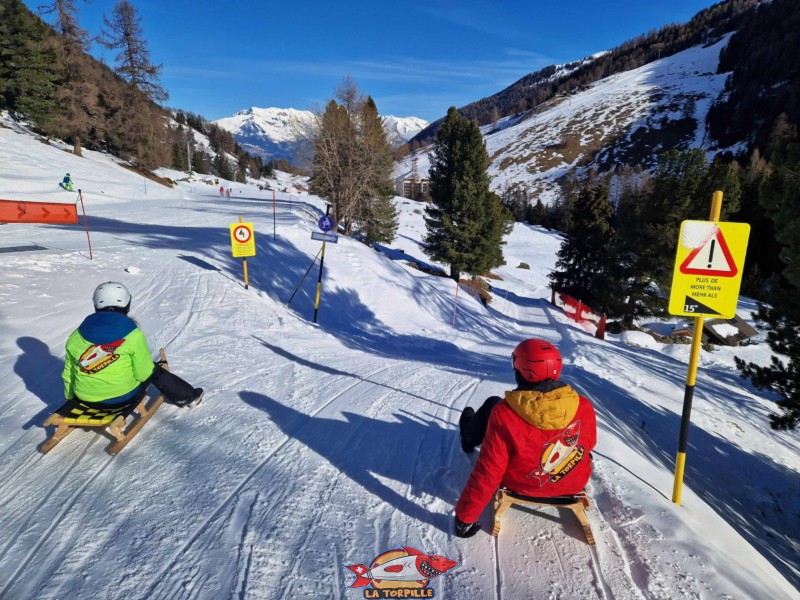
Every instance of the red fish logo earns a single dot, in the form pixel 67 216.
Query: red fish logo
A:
pixel 560 455
pixel 406 568
pixel 98 357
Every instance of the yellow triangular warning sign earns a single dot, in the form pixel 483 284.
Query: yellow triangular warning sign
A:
pixel 712 257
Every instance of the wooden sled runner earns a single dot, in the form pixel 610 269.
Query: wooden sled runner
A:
pixel 122 422
pixel 577 503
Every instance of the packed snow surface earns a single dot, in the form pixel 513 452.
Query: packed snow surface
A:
pixel 324 445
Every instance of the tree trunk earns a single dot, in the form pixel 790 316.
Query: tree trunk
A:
pixel 455 273
pixel 76 145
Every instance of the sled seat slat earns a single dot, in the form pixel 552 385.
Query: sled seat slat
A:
pixel 85 414
pixel 577 503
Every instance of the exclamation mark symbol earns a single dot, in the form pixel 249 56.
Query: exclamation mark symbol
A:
pixel 711 253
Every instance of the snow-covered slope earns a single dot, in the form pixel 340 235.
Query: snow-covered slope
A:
pixel 283 132
pixel 323 445
pixel 630 117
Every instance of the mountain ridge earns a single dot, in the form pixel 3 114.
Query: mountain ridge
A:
pixel 274 132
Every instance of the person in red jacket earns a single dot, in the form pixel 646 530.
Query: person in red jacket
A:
pixel 536 441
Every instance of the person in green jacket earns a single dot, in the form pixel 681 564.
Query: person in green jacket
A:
pixel 108 360
pixel 66 183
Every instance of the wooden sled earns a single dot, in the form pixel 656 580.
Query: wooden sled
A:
pixel 577 503
pixel 75 414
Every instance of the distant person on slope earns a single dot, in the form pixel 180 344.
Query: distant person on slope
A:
pixel 221 191
pixel 66 183
pixel 108 361
pixel 535 442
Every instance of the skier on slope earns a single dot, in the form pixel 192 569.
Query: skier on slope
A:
pixel 534 442
pixel 66 183
pixel 108 361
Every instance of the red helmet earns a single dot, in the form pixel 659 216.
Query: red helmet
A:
pixel 536 360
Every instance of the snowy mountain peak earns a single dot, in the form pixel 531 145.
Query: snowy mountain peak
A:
pixel 281 132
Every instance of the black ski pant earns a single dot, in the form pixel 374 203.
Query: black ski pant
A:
pixel 474 430
pixel 175 389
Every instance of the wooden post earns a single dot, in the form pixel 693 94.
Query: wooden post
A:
pixel 455 305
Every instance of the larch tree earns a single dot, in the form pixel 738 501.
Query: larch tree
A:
pixel 76 93
pixel 352 164
pixel 376 214
pixel 465 220
pixel 138 121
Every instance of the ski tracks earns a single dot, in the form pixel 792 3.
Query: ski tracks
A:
pixel 304 500
pixel 49 523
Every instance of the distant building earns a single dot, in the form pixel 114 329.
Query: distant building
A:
pixel 414 189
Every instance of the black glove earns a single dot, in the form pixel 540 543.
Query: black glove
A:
pixel 466 530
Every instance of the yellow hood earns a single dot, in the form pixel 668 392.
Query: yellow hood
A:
pixel 545 410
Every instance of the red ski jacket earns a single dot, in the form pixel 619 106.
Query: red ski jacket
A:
pixel 537 444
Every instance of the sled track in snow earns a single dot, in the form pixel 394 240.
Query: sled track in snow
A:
pixel 63 511
pixel 271 454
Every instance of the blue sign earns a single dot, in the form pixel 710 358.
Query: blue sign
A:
pixel 326 223
pixel 325 237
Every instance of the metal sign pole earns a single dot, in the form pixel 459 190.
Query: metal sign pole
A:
pixel 319 278
pixel 244 262
pixel 691 378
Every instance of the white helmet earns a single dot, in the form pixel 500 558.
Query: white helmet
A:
pixel 111 295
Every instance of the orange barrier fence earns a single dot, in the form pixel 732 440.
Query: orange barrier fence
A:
pixel 580 312
pixel 22 211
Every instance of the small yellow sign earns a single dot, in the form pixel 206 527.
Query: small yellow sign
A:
pixel 708 269
pixel 243 240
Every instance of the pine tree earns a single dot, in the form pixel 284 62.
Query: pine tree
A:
pixel 648 221
pixel 29 66
pixel 536 214
pixel 466 221
pixel 780 198
pixel 585 257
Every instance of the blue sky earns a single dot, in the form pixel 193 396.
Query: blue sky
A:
pixel 414 58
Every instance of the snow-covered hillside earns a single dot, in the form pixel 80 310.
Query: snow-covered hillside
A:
pixel 324 445
pixel 630 117
pixel 282 132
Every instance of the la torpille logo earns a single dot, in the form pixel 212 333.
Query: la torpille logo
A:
pixel 403 573
pixel 97 357
pixel 560 455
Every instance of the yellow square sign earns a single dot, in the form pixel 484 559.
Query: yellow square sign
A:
pixel 708 269
pixel 243 241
